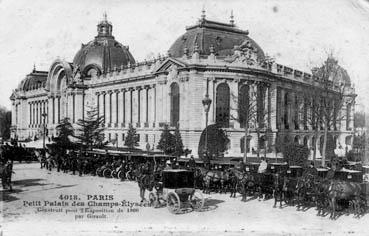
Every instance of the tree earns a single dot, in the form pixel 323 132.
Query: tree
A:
pixel 178 144
pixel 252 112
pixel 217 141
pixel 328 100
pixel 65 130
pixel 5 123
pixel 90 132
pixel 295 154
pixel 132 138
pixel 167 141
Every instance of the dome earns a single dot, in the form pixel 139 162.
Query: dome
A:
pixel 103 53
pixel 34 80
pixel 223 37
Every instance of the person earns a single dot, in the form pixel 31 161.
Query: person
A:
pixel 192 163
pixel 263 166
pixel 168 165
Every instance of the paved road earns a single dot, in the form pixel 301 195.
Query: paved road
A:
pixel 35 208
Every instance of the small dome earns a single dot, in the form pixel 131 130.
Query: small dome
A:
pixel 222 37
pixel 103 53
pixel 34 80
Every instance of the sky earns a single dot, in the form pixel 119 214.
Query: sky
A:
pixel 299 33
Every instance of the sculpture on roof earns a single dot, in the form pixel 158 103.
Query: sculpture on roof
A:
pixel 244 53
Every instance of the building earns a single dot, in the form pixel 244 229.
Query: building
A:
pixel 211 59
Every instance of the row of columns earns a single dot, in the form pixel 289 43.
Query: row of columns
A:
pixel 135 105
pixel 295 111
pixel 36 109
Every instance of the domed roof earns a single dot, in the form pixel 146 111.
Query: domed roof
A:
pixel 223 37
pixel 34 80
pixel 103 53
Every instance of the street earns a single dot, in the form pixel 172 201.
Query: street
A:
pixel 54 203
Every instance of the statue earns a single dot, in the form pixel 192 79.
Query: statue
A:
pixel 244 53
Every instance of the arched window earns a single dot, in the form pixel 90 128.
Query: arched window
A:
pixel 243 105
pixel 174 104
pixel 306 140
pixel 222 105
pixel 313 143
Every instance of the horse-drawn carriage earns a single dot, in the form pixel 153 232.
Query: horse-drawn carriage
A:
pixel 177 191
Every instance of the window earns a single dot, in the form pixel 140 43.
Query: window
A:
pixel 146 137
pixel 306 139
pixel 243 105
pixel 122 137
pixel 222 105
pixel 174 104
pixel 286 111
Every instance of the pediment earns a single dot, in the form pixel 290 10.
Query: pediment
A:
pixel 169 65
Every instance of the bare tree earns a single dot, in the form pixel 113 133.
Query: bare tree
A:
pixel 326 101
pixel 252 112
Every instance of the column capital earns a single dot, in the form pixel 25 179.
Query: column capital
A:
pixel 138 88
pixel 110 91
pixel 147 87
pixel 123 90
pixel 131 89
pixel 116 91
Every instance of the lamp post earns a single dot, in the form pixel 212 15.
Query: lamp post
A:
pixel 44 115
pixel 206 102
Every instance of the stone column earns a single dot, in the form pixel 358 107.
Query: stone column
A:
pixel 58 110
pixel 113 111
pixel 138 107
pixel 153 105
pixel 108 108
pixel 145 107
pixel 98 104
pixel 273 106
pixel 130 104
pixel 292 110
pixel 233 87
pixel 302 109
pixel 123 108
pixel 74 117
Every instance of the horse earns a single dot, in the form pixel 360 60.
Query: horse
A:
pixel 279 184
pixel 321 195
pixel 200 173
pixel 217 178
pixel 349 191
pixel 6 171
pixel 263 185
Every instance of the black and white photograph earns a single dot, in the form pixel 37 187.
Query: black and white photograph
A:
pixel 158 117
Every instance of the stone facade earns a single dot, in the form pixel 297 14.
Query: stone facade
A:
pixel 170 90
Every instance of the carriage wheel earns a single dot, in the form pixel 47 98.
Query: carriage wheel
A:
pixel 197 200
pixel 152 200
pixel 107 173
pixel 98 172
pixel 120 175
pixel 113 174
pixel 239 188
pixel 173 203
